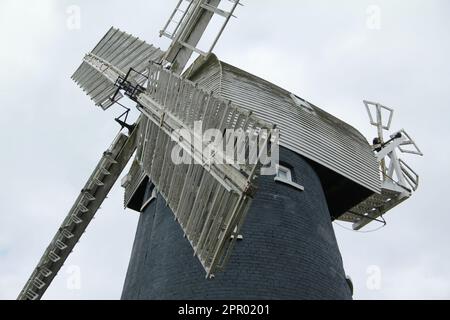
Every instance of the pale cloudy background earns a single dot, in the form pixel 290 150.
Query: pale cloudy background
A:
pixel 327 51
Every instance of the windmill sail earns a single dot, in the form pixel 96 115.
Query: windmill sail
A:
pixel 117 53
pixel 169 104
pixel 208 198
pixel 97 188
pixel 187 25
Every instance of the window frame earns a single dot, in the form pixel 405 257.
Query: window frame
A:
pixel 286 170
pixel 289 180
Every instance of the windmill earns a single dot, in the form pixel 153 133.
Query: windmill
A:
pixel 209 200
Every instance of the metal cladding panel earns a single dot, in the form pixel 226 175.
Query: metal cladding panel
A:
pixel 311 132
pixel 211 78
pixel 119 51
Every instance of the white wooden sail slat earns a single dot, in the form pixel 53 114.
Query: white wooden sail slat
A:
pixel 218 223
pixel 178 181
pixel 150 150
pixel 106 41
pixel 91 80
pixel 89 76
pixel 189 194
pixel 83 72
pixel 116 40
pixel 120 50
pixel 94 83
pixel 99 90
pixel 176 184
pixel 200 191
pixel 134 51
pixel 210 217
pixel 179 203
pixel 140 63
pixel 198 222
pixel 157 160
pixel 104 101
pixel 97 86
pixel 166 169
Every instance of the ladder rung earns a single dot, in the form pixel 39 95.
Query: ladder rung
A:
pixel 88 196
pixel 200 52
pixel 166 34
pixel 46 272
pixel 105 172
pixel 108 156
pixel 76 219
pixel 60 245
pixel 54 257
pixel 215 10
pixel 31 295
pixel 38 283
pixel 98 182
pixel 82 208
pixel 67 234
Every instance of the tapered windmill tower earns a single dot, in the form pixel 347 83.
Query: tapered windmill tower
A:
pixel 258 227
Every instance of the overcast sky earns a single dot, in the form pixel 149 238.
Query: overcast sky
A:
pixel 333 53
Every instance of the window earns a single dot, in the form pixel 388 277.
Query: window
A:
pixel 285 175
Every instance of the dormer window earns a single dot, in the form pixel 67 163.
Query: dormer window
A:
pixel 303 104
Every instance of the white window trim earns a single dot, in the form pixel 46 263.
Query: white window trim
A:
pixel 285 170
pixel 289 180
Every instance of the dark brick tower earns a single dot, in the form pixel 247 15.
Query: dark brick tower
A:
pixel 288 250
